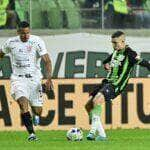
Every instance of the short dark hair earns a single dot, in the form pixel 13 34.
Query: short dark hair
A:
pixel 23 24
pixel 117 34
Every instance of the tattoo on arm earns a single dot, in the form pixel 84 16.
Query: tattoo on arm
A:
pixel 48 65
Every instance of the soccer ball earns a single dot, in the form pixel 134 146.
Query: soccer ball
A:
pixel 75 134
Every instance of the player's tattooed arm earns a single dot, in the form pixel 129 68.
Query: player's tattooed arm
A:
pixel 48 66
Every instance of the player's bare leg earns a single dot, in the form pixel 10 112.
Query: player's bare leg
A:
pixel 26 117
pixel 37 111
pixel 96 125
pixel 89 105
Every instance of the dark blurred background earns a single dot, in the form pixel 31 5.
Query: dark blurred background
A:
pixel 75 14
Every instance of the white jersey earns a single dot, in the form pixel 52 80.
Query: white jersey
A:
pixel 25 56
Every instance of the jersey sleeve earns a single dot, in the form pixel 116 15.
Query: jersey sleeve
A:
pixel 134 58
pixel 5 48
pixel 108 59
pixel 41 47
pixel 144 63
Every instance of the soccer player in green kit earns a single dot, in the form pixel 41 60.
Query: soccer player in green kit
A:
pixel 119 66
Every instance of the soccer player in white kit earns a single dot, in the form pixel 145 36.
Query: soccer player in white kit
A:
pixel 26 52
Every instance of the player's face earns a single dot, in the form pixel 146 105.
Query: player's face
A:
pixel 118 43
pixel 24 34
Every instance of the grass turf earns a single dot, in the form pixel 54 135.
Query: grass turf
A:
pixel 132 139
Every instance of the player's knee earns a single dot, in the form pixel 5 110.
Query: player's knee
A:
pixel 38 113
pixel 23 108
pixel 37 110
pixel 99 99
pixel 23 104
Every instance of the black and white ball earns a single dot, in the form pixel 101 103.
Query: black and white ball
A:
pixel 75 134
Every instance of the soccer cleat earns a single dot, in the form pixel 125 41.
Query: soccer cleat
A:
pixel 32 137
pixel 36 120
pixel 100 138
pixel 90 137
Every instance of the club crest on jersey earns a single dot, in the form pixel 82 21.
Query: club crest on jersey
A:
pixel 117 61
pixel 20 50
pixel 121 57
pixel 29 47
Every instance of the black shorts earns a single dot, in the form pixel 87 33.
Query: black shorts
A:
pixel 107 90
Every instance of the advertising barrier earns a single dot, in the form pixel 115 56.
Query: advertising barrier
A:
pixel 129 110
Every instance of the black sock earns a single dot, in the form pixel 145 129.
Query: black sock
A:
pixel 27 120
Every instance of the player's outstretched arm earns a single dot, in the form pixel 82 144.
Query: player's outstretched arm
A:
pixel 144 63
pixel 136 59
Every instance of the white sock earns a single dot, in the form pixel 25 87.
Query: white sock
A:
pixel 100 128
pixel 94 124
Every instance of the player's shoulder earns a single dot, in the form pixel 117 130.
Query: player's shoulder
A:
pixel 37 41
pixel 35 38
pixel 13 39
pixel 129 50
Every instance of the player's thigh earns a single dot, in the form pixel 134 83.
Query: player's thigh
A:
pixel 36 95
pixel 108 91
pixel 23 104
pixel 19 88
pixel 98 99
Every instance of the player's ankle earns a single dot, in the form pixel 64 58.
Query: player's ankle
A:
pixel 36 120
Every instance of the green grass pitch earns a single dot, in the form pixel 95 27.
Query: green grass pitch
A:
pixel 132 139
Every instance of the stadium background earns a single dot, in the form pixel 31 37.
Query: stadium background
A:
pixel 76 31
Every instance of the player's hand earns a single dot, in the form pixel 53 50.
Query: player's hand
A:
pixel 49 84
pixel 1 54
pixel 48 89
pixel 107 67
pixel 149 68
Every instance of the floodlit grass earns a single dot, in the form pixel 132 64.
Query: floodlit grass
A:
pixel 133 139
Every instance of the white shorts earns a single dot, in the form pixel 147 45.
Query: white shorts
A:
pixel 28 87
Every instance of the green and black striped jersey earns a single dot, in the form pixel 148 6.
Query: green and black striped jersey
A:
pixel 122 63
